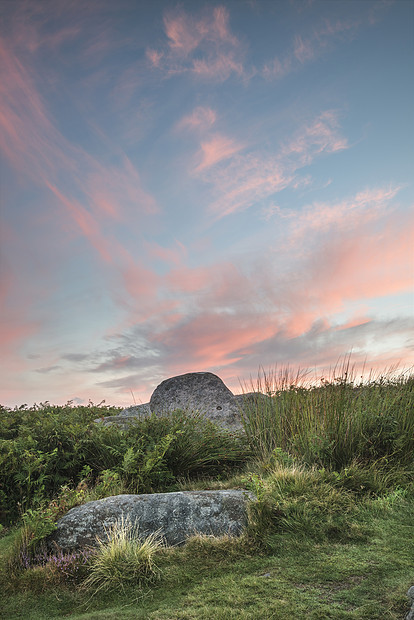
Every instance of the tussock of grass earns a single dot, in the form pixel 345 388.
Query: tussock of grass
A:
pixel 122 559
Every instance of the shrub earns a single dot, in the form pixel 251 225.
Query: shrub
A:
pixel 46 448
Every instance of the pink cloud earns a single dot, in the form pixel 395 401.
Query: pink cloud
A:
pixel 86 223
pixel 220 68
pixel 139 281
pixel 216 149
pixel 366 206
pixel 320 136
pixel 154 57
pixel 355 321
pixel 221 25
pixel 366 265
pixel 170 256
pixel 116 192
pixel 277 68
pixel 307 49
pixel 186 280
pixel 258 182
pixel 203 46
pixel 183 32
pixel 303 50
pixel 202 118
pixel 213 340
pixel 14 330
pixel 244 180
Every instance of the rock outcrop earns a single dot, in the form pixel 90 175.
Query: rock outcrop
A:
pixel 203 392
pixel 197 391
pixel 177 515
pixel 136 411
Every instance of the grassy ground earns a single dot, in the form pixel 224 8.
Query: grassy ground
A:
pixel 330 535
pixel 360 580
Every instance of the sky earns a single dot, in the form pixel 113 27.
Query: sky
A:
pixel 202 186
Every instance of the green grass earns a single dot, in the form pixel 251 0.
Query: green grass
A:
pixel 330 535
pixel 227 579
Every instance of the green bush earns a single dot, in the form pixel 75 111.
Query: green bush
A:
pixel 46 448
pixel 302 501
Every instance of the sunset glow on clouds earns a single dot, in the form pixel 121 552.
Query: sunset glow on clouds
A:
pixel 202 187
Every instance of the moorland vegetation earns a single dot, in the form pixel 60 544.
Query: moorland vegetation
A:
pixel 330 534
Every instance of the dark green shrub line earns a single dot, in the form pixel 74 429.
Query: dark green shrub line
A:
pixel 336 426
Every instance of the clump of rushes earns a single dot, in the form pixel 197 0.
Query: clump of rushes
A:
pixel 335 422
pixel 122 559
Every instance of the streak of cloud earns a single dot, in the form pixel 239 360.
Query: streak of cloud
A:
pixel 245 179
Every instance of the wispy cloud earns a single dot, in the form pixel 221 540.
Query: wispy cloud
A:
pixel 200 119
pixel 215 150
pixel 306 49
pixel 366 206
pixel 245 179
pixel 203 46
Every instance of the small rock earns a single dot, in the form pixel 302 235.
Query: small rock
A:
pixel 410 594
pixel 137 411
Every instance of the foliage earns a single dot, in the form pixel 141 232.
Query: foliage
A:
pixel 302 501
pixel 59 567
pixel 45 449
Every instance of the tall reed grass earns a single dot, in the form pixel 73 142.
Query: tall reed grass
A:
pixel 334 423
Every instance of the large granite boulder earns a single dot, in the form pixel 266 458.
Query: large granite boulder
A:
pixel 198 391
pixel 178 516
pixel 203 392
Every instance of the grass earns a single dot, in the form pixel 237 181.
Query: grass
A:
pixel 122 559
pixel 330 535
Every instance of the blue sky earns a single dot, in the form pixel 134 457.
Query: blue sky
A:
pixel 202 186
